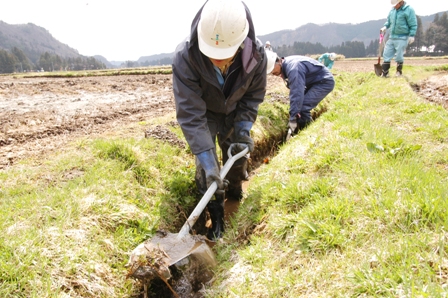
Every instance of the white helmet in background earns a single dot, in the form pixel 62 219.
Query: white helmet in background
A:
pixel 332 56
pixel 395 2
pixel 222 28
pixel 268 43
pixel 271 56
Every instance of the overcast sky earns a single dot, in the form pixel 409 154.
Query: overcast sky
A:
pixel 128 29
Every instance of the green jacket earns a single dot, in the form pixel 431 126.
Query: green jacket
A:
pixel 325 60
pixel 402 22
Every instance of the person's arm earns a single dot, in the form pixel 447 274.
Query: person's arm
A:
pixel 247 106
pixel 387 23
pixel 297 79
pixel 412 22
pixel 190 107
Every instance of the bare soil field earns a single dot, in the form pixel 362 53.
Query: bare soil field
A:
pixel 39 115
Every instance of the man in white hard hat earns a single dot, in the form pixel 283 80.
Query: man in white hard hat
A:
pixel 402 24
pixel 308 81
pixel 327 59
pixel 219 80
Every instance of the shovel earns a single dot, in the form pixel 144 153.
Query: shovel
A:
pixel 378 68
pixel 153 257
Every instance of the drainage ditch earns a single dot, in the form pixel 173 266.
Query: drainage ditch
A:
pixel 190 274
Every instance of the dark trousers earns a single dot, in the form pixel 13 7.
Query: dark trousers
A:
pixel 314 94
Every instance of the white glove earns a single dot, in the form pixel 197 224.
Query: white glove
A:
pixel 383 29
pixel 411 39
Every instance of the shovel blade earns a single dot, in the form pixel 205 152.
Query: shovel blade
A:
pixel 166 249
pixel 378 69
pixel 178 248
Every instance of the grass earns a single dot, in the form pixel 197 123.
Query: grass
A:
pixel 353 206
pixel 356 205
pixel 100 72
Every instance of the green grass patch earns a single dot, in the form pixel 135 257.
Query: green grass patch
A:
pixel 355 205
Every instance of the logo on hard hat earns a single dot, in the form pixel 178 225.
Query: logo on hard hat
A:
pixel 217 39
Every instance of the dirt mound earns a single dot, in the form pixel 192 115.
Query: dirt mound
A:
pixel 435 89
pixel 163 133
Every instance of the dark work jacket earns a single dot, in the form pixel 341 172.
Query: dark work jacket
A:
pixel 300 73
pixel 196 87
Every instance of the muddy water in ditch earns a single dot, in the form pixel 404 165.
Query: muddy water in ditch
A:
pixel 231 206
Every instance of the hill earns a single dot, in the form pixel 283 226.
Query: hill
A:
pixel 33 41
pixel 332 34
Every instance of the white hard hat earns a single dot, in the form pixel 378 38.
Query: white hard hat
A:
pixel 222 29
pixel 332 56
pixel 271 56
pixel 395 2
pixel 268 42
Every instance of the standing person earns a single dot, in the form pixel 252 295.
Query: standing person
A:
pixel 402 23
pixel 309 83
pixel 219 80
pixel 327 59
pixel 267 46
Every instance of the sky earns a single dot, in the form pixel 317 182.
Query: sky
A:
pixel 122 30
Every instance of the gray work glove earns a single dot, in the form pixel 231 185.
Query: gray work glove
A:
pixel 293 125
pixel 242 134
pixel 383 29
pixel 411 39
pixel 211 169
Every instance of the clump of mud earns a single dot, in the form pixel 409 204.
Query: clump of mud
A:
pixel 434 89
pixel 171 266
pixel 161 132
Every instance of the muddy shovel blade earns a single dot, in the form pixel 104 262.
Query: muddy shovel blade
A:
pixel 166 249
pixel 378 69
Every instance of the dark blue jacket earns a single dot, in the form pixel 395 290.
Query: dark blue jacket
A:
pixel 302 72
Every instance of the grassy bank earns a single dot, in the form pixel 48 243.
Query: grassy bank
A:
pixel 354 205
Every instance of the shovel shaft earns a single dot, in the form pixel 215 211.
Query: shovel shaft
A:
pixel 210 191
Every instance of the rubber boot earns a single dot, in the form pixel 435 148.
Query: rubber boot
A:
pixel 385 67
pixel 399 69
pixel 302 124
pixel 216 211
pixel 236 176
pixel 235 191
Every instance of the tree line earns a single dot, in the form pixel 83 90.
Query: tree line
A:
pixel 432 42
pixel 16 61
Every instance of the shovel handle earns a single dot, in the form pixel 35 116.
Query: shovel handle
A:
pixel 211 190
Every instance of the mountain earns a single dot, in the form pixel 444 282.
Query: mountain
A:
pixel 155 57
pixel 332 34
pixel 33 41
pixel 109 64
